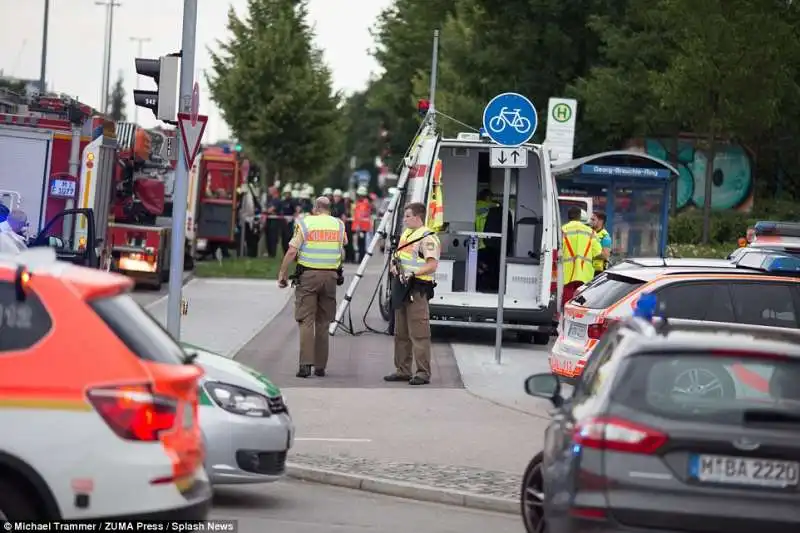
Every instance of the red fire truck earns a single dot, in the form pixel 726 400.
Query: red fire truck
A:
pixel 58 157
pixel 214 182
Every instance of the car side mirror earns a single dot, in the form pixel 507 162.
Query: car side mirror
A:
pixel 546 386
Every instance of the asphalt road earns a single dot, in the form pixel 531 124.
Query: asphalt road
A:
pixel 299 507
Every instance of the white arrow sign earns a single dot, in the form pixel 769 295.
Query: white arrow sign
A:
pixel 502 157
pixel 191 135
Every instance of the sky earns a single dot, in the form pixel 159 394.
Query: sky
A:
pixel 76 39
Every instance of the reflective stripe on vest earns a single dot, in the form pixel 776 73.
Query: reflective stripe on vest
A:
pixel 600 264
pixel 323 238
pixel 409 256
pixel 573 262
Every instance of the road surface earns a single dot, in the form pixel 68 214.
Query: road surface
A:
pixel 299 507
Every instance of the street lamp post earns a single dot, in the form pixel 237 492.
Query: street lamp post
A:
pixel 110 5
pixel 45 31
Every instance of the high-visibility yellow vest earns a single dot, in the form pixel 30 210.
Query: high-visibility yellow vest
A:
pixel 323 238
pixel 579 246
pixel 600 264
pixel 436 202
pixel 482 208
pixel 409 254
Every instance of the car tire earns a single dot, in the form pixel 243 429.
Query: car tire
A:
pixel 15 504
pixel 541 339
pixel 532 497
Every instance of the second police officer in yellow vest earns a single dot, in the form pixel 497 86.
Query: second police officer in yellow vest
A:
pixel 318 245
pixel 414 265
pixel 579 248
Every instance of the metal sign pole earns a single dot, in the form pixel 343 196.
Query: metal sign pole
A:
pixel 181 190
pixel 501 290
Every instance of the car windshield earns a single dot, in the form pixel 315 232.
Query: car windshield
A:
pixel 606 291
pixel 142 334
pixel 727 388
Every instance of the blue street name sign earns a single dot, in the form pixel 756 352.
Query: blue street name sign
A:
pixel 510 119
pixel 626 172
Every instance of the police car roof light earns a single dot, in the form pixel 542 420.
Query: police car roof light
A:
pixel 646 306
pixel 772 261
pixel 784 229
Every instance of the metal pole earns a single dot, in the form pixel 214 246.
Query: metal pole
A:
pixel 501 290
pixel 110 5
pixel 141 41
pixel 181 191
pixel 434 69
pixel 45 31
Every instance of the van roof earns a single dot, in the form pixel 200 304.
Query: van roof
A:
pixel 88 283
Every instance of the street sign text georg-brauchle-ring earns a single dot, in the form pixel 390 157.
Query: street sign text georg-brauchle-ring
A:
pixel 510 119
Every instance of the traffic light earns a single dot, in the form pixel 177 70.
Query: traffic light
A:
pixel 162 102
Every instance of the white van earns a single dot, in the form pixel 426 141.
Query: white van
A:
pixel 466 291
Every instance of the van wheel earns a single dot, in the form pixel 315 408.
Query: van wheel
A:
pixel 525 337
pixel 541 338
pixel 16 505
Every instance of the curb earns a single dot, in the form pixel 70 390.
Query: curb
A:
pixel 402 489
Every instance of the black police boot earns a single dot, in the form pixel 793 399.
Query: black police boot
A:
pixel 396 378
pixel 304 372
pixel 319 372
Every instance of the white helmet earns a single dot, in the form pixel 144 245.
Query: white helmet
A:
pixel 584 216
pixel 295 193
pixel 327 191
pixel 287 188
pixel 347 195
pixel 305 195
pixel 297 186
pixel 337 192
pixel 362 191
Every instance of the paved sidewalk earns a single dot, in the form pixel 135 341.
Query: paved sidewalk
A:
pixel 224 314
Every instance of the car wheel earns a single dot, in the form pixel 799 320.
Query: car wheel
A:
pixel 704 380
pixel 541 338
pixel 532 497
pixel 15 504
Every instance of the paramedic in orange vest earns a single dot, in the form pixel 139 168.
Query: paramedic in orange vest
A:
pixel 362 222
pixel 317 246
pixel 579 246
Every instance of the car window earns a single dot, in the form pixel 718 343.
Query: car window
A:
pixel 697 301
pixel 137 329
pixel 607 292
pixel 22 324
pixel 765 304
pixel 712 387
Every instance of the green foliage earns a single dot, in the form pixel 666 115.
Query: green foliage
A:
pixel 116 101
pixel 274 90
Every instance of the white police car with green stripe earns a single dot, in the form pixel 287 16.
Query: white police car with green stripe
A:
pixel 244 419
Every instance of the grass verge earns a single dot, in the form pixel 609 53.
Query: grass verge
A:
pixel 711 251
pixel 234 267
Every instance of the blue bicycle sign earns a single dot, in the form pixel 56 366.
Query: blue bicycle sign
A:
pixel 510 119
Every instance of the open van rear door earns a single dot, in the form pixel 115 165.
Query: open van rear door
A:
pixel 565 202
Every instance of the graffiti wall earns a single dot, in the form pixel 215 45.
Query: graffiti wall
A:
pixel 733 186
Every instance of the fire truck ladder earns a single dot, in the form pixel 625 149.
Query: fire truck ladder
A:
pixel 426 130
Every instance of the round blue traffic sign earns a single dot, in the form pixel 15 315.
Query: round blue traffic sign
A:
pixel 510 119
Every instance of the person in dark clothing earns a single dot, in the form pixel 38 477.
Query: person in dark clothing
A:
pixel 273 225
pixel 288 210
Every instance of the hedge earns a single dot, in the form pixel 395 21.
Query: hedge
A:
pixel 727 226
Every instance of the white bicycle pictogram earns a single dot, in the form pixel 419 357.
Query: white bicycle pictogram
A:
pixel 509 118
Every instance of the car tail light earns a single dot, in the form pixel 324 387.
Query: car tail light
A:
pixel 598 329
pixel 619 435
pixel 134 412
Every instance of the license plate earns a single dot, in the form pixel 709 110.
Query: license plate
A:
pixel 562 366
pixel 577 331
pixel 745 471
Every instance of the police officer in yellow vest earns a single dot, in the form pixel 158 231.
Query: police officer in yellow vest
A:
pixel 598 224
pixel 317 244
pixel 414 265
pixel 482 208
pixel 579 247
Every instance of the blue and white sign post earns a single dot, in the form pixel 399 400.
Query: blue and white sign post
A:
pixel 510 120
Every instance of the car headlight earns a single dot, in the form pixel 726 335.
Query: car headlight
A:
pixel 238 400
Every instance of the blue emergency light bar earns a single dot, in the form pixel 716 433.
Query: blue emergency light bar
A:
pixel 773 262
pixel 780 229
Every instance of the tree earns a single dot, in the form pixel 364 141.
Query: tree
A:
pixel 116 100
pixel 274 90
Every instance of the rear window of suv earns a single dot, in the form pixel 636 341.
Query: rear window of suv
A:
pixel 732 388
pixel 140 332
pixel 607 291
